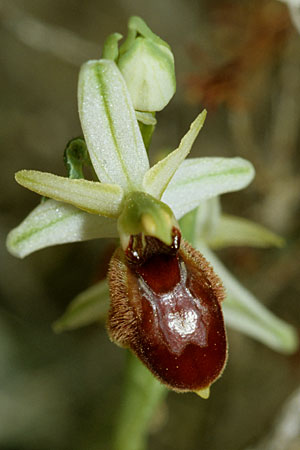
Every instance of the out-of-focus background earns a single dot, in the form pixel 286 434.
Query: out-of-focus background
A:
pixel 240 60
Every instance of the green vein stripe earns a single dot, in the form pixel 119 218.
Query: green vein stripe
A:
pixel 94 197
pixel 104 94
pixel 95 154
pixel 184 182
pixel 26 235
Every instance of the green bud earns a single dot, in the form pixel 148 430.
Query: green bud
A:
pixel 110 47
pixel 147 64
pixel 76 156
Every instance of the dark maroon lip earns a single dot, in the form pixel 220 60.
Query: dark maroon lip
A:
pixel 167 310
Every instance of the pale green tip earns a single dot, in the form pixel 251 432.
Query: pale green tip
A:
pixel 203 393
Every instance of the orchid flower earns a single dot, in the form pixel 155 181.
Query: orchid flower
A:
pixel 165 297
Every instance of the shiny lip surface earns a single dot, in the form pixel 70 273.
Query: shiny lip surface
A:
pixel 168 312
pixel 179 316
pixel 181 335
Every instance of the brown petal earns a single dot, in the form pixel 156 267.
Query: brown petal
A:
pixel 168 312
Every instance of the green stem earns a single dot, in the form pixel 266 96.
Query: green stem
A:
pixel 146 131
pixel 142 395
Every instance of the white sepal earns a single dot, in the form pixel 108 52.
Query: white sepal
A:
pixel 88 307
pixel 243 312
pixel 202 222
pixel 232 231
pixel 52 223
pixel 109 125
pixel 159 176
pixel 199 179
pixel 93 197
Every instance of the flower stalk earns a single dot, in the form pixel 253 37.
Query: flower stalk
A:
pixel 142 395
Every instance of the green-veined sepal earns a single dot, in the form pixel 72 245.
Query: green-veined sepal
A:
pixel 88 307
pixel 199 179
pixel 94 197
pixel 53 223
pixel 202 222
pixel 109 125
pixel 158 177
pixel 232 231
pixel 246 314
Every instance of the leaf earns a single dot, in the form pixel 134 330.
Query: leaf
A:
pixel 88 307
pixel 109 125
pixel 159 176
pixel 52 223
pixel 233 230
pixel 243 312
pixel 199 179
pixel 93 197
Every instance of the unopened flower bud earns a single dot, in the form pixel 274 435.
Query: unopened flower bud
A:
pixel 147 64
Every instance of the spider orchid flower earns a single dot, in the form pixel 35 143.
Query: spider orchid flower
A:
pixel 165 297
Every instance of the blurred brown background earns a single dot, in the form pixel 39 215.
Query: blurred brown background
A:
pixel 240 60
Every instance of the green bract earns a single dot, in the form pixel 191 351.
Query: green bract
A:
pixel 120 160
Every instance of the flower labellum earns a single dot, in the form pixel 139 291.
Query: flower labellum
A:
pixel 166 307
